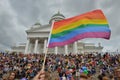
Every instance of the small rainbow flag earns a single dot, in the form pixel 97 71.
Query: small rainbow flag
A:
pixel 88 25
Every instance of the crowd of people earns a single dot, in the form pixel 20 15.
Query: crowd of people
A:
pixel 60 67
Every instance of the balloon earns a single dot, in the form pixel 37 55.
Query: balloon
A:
pixel 84 68
pixel 81 71
pixel 85 71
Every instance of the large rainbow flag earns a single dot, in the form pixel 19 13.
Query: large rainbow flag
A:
pixel 88 25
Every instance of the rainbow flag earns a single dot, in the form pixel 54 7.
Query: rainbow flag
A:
pixel 88 25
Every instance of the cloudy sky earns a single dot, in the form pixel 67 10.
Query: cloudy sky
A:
pixel 16 16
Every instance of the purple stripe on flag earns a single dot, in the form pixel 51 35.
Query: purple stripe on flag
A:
pixel 105 35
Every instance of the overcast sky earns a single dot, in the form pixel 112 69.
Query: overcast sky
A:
pixel 16 16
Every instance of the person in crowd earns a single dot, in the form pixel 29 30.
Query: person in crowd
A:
pixel 12 76
pixel 111 77
pixel 83 77
pixel 117 74
pixel 105 78
pixel 4 77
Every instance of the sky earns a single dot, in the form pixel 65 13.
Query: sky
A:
pixel 16 16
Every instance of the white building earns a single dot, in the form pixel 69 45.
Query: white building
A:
pixel 37 37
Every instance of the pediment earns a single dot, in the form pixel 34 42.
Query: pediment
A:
pixel 43 28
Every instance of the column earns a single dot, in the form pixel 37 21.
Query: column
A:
pixel 39 49
pixel 66 49
pixel 36 46
pixel 56 50
pixel 27 46
pixel 75 49
pixel 45 45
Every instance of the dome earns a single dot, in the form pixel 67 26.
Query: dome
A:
pixel 57 17
pixel 37 23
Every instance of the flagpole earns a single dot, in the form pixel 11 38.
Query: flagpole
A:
pixel 43 66
pixel 50 32
pixel 46 50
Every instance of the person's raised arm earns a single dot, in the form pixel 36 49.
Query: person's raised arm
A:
pixel 40 76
